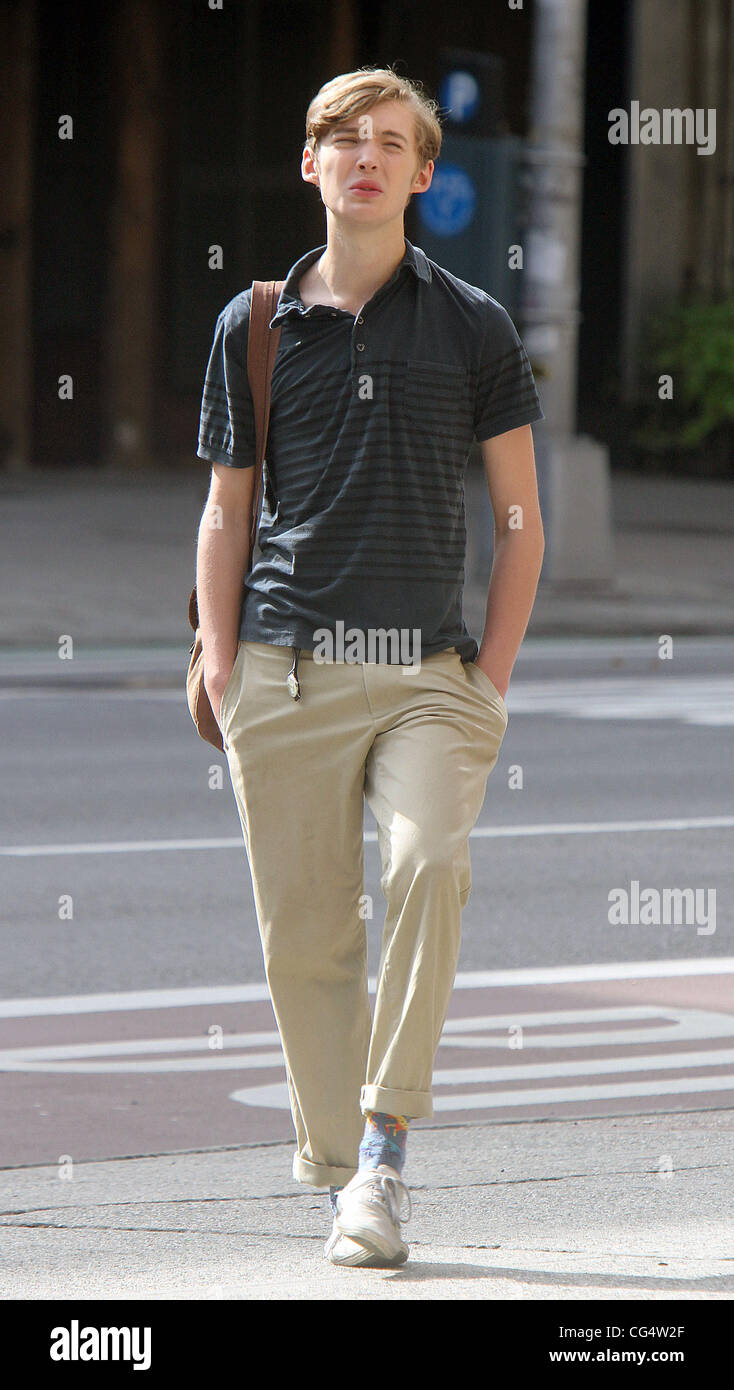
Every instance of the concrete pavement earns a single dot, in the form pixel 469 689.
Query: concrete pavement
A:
pixel 626 1208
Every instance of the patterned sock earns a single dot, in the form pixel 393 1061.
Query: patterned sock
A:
pixel 384 1140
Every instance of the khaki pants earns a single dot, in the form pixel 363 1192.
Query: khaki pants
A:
pixel 418 744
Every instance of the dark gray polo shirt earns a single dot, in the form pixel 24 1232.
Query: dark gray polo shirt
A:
pixel 371 422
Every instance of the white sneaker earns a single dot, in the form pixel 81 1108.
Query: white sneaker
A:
pixel 368 1211
pixel 343 1251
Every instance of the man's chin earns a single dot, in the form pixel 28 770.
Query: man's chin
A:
pixel 373 211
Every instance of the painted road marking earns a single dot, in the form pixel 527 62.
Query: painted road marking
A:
pixel 275 1097
pixel 480 832
pixel 491 1100
pixel 632 1037
pixel 192 995
pixel 678 1025
pixel 674 1025
pixel 480 1033
pixel 484 1032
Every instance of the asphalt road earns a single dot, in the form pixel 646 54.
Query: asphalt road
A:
pixel 123 871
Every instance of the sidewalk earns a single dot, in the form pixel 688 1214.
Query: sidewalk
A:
pixel 633 1207
pixel 111 559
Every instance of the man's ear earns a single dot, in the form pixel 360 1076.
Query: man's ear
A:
pixel 428 165
pixel 312 178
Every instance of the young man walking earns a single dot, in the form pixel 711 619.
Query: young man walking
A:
pixel 387 368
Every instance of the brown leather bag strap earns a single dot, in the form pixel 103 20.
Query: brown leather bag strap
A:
pixel 262 346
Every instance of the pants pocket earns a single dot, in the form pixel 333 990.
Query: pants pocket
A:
pixel 489 688
pixel 229 689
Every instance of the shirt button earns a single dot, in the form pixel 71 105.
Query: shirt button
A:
pixel 359 347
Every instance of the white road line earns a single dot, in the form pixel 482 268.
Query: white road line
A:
pixel 483 832
pixel 664 1061
pixel 249 1050
pixel 555 1095
pixel 275 1095
pixel 667 1023
pixel 188 996
pixel 227 1060
pixel 578 974
pixel 130 1047
pixel 77 692
pixel 675 1025
pixel 217 1061
pixel 605 827
pixel 121 847
pixel 194 996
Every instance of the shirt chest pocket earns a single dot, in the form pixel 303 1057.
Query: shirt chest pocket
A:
pixel 435 398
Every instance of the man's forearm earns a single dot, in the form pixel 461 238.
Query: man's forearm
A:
pixel 221 563
pixel 518 559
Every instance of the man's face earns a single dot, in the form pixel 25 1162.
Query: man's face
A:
pixel 376 148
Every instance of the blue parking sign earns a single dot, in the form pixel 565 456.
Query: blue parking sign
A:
pixel 449 205
pixel 459 94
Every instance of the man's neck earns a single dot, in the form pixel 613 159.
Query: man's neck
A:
pixel 355 265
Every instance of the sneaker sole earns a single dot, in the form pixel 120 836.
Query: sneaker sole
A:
pixel 367 1237
pixel 361 1258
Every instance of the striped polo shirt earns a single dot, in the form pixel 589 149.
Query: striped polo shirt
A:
pixel 372 417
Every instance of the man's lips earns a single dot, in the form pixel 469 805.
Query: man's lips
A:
pixel 365 186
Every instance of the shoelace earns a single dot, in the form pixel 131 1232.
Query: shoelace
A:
pixel 388 1192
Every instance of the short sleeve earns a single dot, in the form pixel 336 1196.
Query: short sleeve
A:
pixel 227 420
pixel 506 393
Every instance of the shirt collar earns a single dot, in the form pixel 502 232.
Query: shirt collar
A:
pixel 290 301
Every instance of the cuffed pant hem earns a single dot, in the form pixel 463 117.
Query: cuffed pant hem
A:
pixel 321 1174
pixel 416 1105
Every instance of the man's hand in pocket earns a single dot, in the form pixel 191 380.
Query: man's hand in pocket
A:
pixel 215 685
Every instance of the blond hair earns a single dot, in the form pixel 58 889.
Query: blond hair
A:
pixel 353 93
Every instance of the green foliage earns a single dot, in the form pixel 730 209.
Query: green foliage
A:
pixel 693 342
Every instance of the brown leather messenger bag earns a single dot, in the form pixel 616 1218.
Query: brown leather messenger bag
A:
pixel 262 345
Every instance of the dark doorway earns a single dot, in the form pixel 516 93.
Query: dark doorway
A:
pixel 72 190
pixel 602 230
